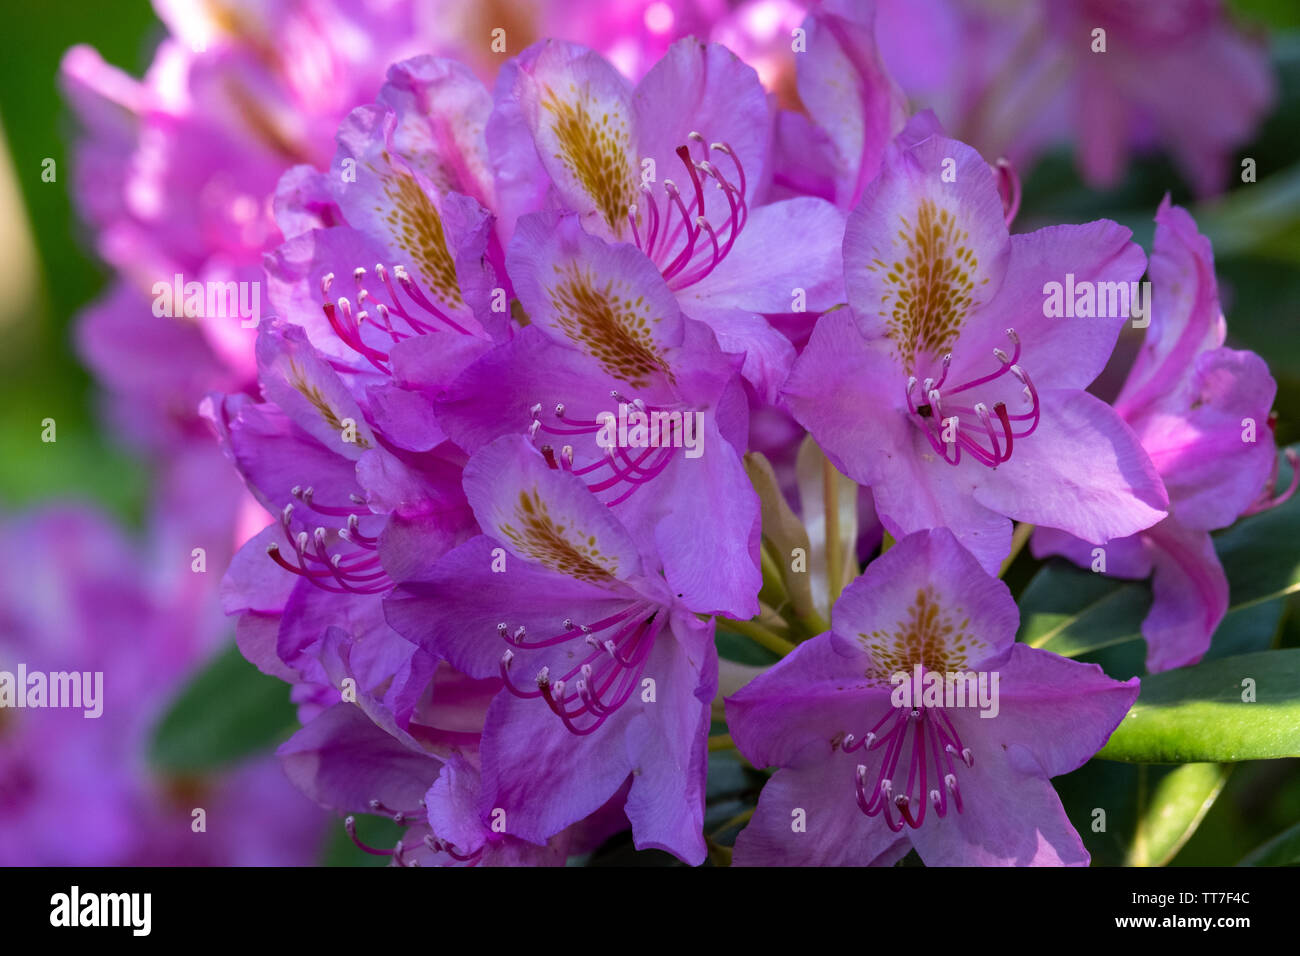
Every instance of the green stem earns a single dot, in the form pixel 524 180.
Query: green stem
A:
pixel 721 742
pixel 830 502
pixel 1019 538
pixel 814 623
pixel 758 634
pixel 742 817
pixel 773 591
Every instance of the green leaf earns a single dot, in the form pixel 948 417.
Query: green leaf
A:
pixel 1197 714
pixel 1261 554
pixel 1171 808
pixel 1072 612
pixel 738 648
pixel 228 711
pixel 1282 850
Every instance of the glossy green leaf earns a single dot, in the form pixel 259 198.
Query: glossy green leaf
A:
pixel 1071 612
pixel 228 711
pixel 1282 850
pixel 1171 808
pixel 1203 713
pixel 1135 814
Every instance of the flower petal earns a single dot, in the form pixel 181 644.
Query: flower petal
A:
pixel 925 249
pixel 582 118
pixel 1191 595
pixel 926 592
pixel 818 800
pixel 1082 470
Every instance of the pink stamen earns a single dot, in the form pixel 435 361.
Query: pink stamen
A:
pixel 1267 498
pixel 938 415
pixel 602 671
pixel 929 729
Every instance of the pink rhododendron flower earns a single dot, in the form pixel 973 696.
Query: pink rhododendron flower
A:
pixel 588 338
pixel 75 786
pixel 1111 78
pixel 946 388
pixel 1200 411
pixel 961 785
pixel 608 676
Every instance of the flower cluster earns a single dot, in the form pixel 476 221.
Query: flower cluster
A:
pixel 95 643
pixel 545 341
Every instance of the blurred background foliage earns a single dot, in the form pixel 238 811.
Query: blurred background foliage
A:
pixel 48 272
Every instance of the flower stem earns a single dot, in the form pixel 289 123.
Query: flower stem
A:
pixel 814 623
pixel 721 742
pixel 742 817
pixel 758 634
pixel 773 591
pixel 830 501
pixel 1019 538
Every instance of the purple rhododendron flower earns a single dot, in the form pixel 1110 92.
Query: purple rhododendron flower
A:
pixel 1113 78
pixel 946 387
pixel 606 342
pixel 317 618
pixel 870 778
pixel 559 345
pixel 343 760
pixel 1200 411
pixel 559 595
pixel 675 167
pixel 75 787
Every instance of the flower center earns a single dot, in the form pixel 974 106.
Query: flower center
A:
pixel 968 423
pixel 614 471
pixel 584 696
pixel 354 572
pixel 681 240
pixel 374 313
